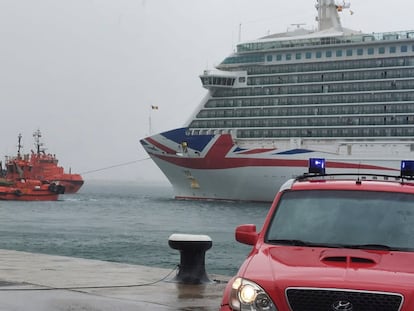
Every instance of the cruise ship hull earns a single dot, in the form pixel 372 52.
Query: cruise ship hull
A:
pixel 215 167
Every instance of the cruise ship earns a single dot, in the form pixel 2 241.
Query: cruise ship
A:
pixel 331 92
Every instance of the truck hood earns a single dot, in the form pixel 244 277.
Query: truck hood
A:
pixel 330 267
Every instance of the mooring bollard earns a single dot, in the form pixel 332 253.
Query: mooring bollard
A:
pixel 192 260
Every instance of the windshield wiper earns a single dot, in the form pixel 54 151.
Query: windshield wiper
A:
pixel 380 247
pixel 289 242
pixel 303 243
pixel 294 242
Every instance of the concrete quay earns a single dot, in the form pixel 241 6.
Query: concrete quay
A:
pixel 39 282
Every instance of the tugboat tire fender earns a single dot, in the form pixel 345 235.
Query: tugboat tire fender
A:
pixel 52 187
pixel 60 189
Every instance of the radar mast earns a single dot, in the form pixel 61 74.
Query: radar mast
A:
pixel 19 145
pixel 38 144
pixel 328 17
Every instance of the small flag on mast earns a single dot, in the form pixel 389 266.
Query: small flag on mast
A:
pixel 154 107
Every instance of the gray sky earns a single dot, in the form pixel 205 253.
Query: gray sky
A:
pixel 85 72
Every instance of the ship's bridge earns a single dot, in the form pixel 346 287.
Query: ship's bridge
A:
pixel 219 79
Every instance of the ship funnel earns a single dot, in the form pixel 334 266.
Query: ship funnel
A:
pixel 328 17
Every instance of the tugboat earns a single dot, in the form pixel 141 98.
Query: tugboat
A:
pixel 17 186
pixel 29 190
pixel 41 166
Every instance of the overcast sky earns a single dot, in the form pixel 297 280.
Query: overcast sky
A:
pixel 85 72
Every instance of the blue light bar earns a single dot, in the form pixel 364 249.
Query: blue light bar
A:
pixel 407 168
pixel 316 166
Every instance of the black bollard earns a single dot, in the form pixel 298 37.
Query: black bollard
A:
pixel 192 260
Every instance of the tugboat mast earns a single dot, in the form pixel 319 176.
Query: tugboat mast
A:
pixel 38 144
pixel 19 145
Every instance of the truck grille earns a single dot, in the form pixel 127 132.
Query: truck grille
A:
pixel 308 299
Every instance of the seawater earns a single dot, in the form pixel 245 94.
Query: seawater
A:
pixel 128 223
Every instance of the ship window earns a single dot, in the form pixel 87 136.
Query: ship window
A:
pixel 370 51
pixel 349 52
pixel 308 55
pixel 393 49
pixel 279 57
pixel 288 56
pixel 269 58
pixel 381 50
pixel 339 53
pixel 328 54
pixel 360 51
pixel 368 38
pixel 318 54
pixel 298 56
pixel 404 48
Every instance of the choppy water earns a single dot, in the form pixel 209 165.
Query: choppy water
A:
pixel 129 223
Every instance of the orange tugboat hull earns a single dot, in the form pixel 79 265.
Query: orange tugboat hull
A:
pixel 30 190
pixel 72 184
pixel 12 195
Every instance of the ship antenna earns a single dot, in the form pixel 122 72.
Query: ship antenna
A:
pixel 328 17
pixel 298 25
pixel 37 136
pixel 19 145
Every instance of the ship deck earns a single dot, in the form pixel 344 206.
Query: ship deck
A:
pixel 46 282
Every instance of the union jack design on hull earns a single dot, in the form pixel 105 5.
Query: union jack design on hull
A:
pixel 214 167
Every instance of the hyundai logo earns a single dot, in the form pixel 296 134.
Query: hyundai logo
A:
pixel 342 305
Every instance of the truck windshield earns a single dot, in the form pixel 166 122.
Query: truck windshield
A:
pixel 355 219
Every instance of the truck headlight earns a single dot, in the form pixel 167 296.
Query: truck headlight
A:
pixel 247 295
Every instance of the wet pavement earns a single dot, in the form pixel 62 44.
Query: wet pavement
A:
pixel 39 282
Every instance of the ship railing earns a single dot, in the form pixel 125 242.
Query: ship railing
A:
pixel 271 44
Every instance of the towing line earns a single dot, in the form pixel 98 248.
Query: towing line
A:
pixel 116 165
